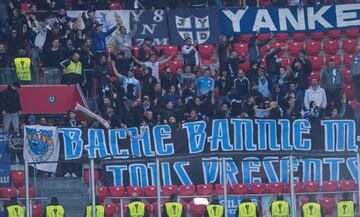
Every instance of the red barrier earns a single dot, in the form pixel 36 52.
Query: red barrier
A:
pixel 49 99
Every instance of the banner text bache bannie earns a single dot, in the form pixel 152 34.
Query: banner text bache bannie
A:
pixel 256 151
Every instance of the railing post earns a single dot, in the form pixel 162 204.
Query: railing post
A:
pixel 225 186
pixel 358 175
pixel 292 189
pixel 27 198
pixel 92 181
pixel 158 187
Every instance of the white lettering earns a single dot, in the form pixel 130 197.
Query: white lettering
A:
pixel 235 18
pixel 345 19
pixel 263 20
pixel 286 15
pixel 317 17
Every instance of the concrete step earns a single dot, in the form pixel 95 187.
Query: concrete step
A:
pixel 72 193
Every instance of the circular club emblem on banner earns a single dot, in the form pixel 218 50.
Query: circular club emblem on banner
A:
pixel 52 99
pixel 41 147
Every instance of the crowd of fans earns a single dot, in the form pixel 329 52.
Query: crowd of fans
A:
pixel 136 90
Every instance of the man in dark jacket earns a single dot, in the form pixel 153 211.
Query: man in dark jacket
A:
pixel 273 64
pixel 254 47
pixel 332 81
pixel 11 107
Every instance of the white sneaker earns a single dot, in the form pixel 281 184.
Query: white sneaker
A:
pixel 73 175
pixel 67 175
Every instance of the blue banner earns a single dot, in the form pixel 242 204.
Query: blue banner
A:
pixel 201 25
pixel 236 21
pixel 256 150
pixel 4 160
pixel 150 23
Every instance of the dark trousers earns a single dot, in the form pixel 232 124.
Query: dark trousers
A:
pixel 333 97
pixel 356 82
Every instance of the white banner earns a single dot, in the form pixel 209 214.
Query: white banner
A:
pixel 41 144
pixel 108 19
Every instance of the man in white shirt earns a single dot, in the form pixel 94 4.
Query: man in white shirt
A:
pixel 190 54
pixel 315 93
pixel 153 64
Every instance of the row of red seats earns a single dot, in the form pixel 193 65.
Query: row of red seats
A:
pixel 318 62
pixel 9 192
pixel 209 189
pixel 313 48
pixel 352 33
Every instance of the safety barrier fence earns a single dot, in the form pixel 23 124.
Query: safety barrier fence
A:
pixel 223 160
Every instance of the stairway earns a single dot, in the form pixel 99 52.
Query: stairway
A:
pixel 72 193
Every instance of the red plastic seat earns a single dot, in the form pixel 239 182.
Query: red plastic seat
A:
pixel 352 32
pixel 330 186
pixel 241 48
pixel 284 61
pixel 116 191
pixel 317 36
pixel 170 50
pixel 205 189
pixel 311 187
pixel 335 33
pixel 348 59
pixel 313 47
pixel 240 188
pixel 25 6
pixel 257 188
pixel 347 185
pixel 37 210
pixel 282 37
pixel 87 175
pixel 244 66
pixel 206 51
pixel 354 104
pixel 264 37
pixel 136 51
pixel 294 47
pixel 347 76
pixel 317 62
pixel 174 65
pixel 22 192
pixel 245 38
pixel 168 190
pixel 115 6
pixel 197 210
pixel 18 178
pixel 187 190
pixel 349 45
pixel 314 75
pixel 350 91
pixel 110 209
pixel 336 58
pixel 219 189
pixel 297 187
pixel 7 192
pixel 327 204
pixel 102 193
pixel 276 187
pixel 134 190
pixel 155 208
pixel 331 47
pixel 275 45
pixel 299 37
